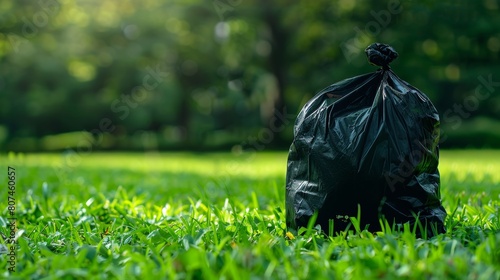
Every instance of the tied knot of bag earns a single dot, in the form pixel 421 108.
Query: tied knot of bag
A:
pixel 381 54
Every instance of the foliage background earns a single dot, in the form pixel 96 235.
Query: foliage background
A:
pixel 149 75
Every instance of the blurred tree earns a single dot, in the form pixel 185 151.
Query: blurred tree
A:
pixel 208 74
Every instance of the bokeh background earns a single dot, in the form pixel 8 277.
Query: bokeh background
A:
pixel 229 74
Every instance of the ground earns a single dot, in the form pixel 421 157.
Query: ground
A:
pixel 221 216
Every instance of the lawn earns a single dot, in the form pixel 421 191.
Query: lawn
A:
pixel 221 216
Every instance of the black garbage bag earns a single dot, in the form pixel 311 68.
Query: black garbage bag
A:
pixel 370 142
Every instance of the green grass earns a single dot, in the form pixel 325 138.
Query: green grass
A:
pixel 221 216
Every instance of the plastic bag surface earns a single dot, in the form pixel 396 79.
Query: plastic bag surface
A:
pixel 370 143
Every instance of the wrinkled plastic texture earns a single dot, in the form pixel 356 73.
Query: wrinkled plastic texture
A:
pixel 370 142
